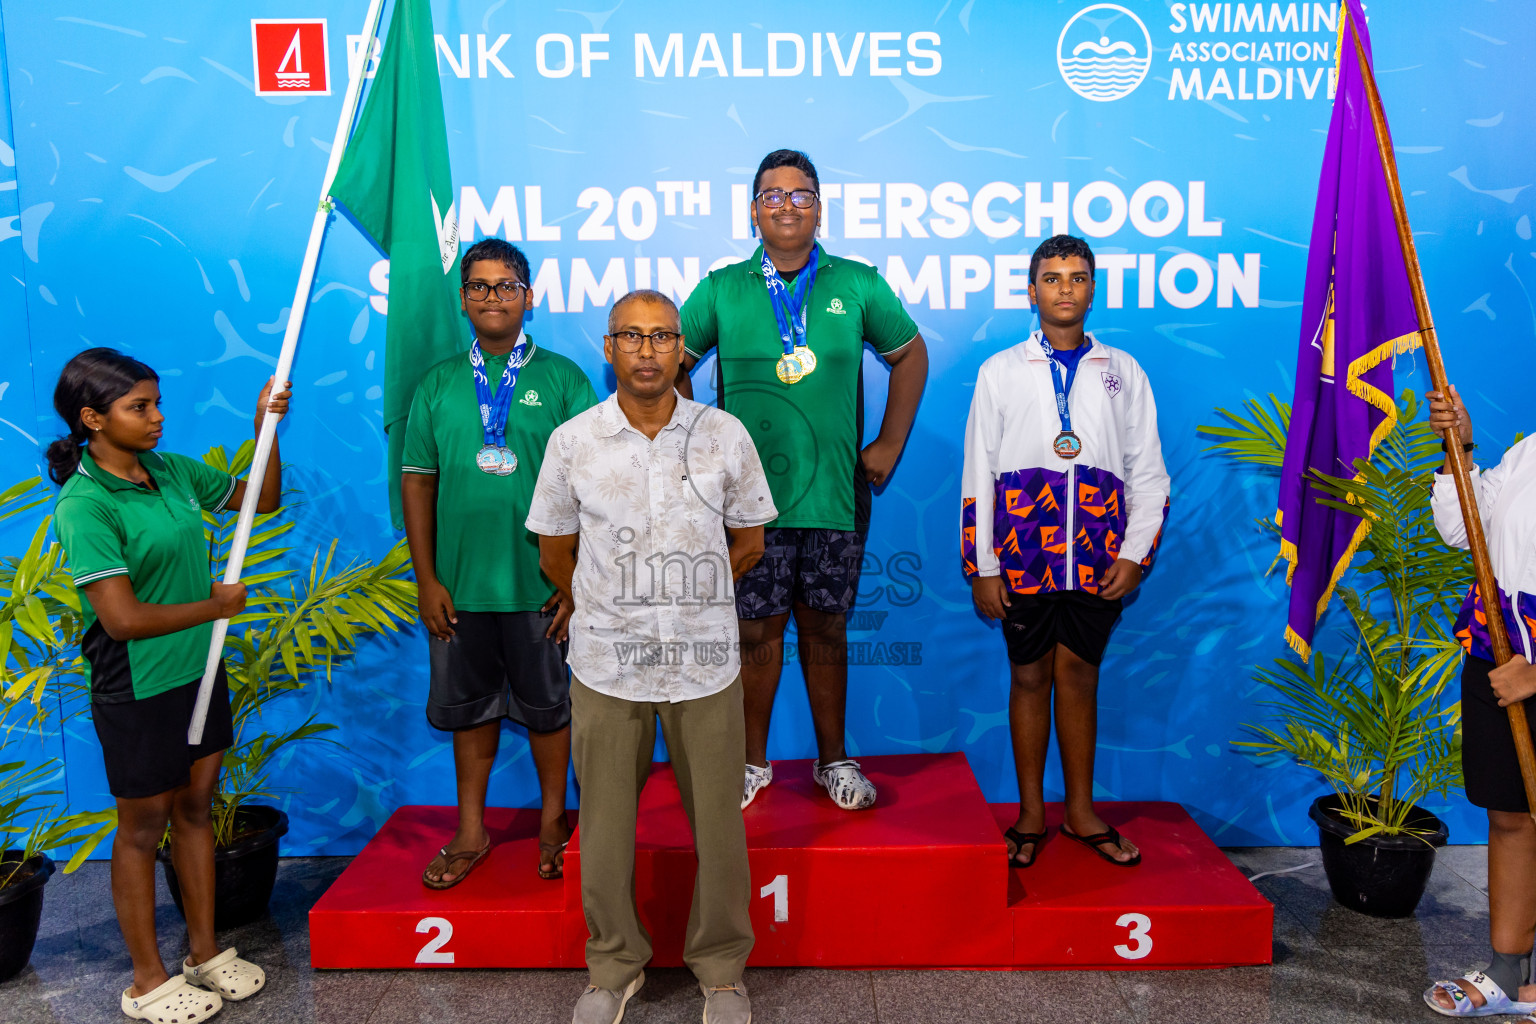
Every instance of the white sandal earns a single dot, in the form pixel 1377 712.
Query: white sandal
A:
pixel 1496 1002
pixel 227 975
pixel 175 1002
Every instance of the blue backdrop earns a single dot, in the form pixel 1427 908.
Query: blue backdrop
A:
pixel 151 200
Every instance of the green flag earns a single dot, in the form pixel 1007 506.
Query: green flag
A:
pixel 394 179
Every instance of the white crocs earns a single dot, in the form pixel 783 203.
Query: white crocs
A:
pixel 175 1002
pixel 757 779
pixel 227 975
pixel 845 784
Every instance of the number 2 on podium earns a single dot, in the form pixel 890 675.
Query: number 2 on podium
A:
pixel 779 890
pixel 430 953
pixel 1140 934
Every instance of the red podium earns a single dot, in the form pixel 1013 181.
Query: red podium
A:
pixel 920 881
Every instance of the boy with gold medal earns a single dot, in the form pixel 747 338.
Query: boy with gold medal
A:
pixel 790 325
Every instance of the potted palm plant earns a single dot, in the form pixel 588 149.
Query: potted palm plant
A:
pixel 296 628
pixel 39 630
pixel 1375 714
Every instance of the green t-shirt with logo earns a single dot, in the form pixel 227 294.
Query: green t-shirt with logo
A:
pixel 807 432
pixel 108 527
pixel 485 557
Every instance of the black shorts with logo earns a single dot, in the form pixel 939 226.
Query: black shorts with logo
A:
pixel 144 741
pixel 499 665
pixel 1490 768
pixel 1079 621
pixel 806 565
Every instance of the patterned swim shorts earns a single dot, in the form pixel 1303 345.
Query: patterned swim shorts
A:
pixel 816 567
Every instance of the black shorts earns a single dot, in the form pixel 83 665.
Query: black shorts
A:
pixel 811 566
pixel 144 741
pixel 499 665
pixel 1488 761
pixel 1079 621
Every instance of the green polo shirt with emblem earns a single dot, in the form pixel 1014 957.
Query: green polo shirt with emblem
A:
pixel 485 557
pixel 108 527
pixel 807 433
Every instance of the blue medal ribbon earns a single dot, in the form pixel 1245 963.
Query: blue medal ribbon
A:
pixel 493 411
pixel 791 317
pixel 1063 387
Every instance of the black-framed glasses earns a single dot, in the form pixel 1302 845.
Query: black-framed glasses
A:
pixel 506 291
pixel 661 341
pixel 800 198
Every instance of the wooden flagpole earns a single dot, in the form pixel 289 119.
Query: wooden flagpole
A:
pixel 235 563
pixel 1487 586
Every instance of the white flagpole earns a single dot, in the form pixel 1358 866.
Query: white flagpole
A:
pixel 236 562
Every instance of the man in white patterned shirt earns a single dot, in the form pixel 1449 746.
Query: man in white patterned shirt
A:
pixel 634 504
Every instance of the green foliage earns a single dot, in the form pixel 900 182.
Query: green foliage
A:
pixel 51 824
pixel 1376 720
pixel 295 627
pixel 39 651
pixel 1256 436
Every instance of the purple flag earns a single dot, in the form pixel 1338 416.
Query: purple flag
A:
pixel 1357 314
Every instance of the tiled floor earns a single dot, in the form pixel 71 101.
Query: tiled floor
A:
pixel 1331 965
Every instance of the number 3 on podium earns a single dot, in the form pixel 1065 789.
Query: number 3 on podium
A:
pixel 1140 934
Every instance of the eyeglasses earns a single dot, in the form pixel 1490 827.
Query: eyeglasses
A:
pixel 800 198
pixel 661 341
pixel 506 291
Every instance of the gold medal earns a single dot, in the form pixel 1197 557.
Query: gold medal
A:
pixel 807 358
pixel 790 369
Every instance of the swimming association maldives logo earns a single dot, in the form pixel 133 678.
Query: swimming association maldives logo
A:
pixel 1104 52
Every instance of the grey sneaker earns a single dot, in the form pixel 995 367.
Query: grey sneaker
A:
pixel 845 784
pixel 726 1004
pixel 757 780
pixel 605 1006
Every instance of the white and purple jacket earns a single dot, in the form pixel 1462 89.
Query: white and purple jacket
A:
pixel 1043 522
pixel 1506 500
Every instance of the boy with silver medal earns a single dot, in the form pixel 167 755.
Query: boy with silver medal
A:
pixel 496 623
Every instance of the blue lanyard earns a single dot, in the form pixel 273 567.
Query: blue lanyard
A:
pixel 791 317
pixel 493 411
pixel 1063 388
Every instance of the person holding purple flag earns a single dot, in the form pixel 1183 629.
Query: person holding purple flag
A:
pixel 1506 500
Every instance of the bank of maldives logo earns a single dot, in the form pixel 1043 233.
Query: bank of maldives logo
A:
pixel 1104 52
pixel 291 57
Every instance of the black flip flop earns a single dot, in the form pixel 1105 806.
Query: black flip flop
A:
pixel 1019 839
pixel 1098 841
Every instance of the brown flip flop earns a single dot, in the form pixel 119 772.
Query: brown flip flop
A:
pixel 555 850
pixel 473 856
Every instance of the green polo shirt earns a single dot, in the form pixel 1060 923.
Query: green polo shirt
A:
pixel 109 526
pixel 485 557
pixel 807 433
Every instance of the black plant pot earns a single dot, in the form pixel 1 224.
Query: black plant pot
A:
pixel 243 872
pixel 21 909
pixel 1383 876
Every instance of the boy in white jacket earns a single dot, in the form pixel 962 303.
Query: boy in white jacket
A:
pixel 1064 495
